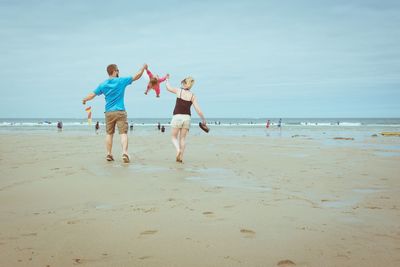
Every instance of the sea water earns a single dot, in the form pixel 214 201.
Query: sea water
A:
pixel 325 128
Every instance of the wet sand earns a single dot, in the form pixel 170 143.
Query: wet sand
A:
pixel 236 201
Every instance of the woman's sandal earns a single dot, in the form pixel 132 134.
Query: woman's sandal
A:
pixel 204 127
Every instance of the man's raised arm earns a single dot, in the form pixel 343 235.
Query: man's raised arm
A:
pixel 140 73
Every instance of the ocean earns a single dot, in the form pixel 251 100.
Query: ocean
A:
pixel 290 127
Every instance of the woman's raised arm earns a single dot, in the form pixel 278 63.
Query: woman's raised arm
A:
pixel 170 88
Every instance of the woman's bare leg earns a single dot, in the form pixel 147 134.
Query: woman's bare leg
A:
pixel 174 137
pixel 182 143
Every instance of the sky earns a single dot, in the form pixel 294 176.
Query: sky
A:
pixel 250 59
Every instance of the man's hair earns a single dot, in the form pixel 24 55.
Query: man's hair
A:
pixel 111 68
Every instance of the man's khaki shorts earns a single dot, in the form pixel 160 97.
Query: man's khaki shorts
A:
pixel 119 118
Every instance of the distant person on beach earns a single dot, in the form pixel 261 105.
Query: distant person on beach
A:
pixel 113 90
pixel 267 126
pixel 59 126
pixel 154 82
pixel 180 122
pixel 97 127
pixel 131 127
pixel 162 129
pixel 158 126
pixel 280 123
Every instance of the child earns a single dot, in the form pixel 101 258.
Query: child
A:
pixel 154 82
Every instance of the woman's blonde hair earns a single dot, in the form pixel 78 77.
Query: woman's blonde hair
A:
pixel 187 83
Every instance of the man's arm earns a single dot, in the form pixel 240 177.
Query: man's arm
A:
pixel 140 73
pixel 88 98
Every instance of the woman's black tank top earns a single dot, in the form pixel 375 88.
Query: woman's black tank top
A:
pixel 182 106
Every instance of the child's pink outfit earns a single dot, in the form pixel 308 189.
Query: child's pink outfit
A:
pixel 157 86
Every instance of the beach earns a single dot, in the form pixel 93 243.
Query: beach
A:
pixel 235 201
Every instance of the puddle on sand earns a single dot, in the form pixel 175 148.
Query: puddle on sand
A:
pixel 298 155
pixel 387 154
pixel 339 203
pixel 146 168
pixel 367 190
pixel 356 198
pixel 224 178
pixel 99 205
pixel 103 206
pixel 351 220
pixel 110 167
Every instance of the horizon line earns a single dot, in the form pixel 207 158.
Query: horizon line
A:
pixel 83 118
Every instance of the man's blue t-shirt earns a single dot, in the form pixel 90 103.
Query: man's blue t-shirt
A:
pixel 114 91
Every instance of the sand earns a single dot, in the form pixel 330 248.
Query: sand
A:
pixel 235 201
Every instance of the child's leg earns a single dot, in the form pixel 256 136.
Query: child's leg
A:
pixel 147 90
pixel 157 91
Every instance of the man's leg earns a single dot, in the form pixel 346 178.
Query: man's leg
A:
pixel 122 124
pixel 109 143
pixel 124 143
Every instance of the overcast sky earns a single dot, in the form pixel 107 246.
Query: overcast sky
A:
pixel 298 58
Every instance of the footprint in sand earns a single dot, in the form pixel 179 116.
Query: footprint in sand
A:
pixel 232 259
pixel 148 232
pixel 77 261
pixel 286 263
pixel 373 208
pixel 208 214
pixel 30 234
pixel 145 257
pixel 73 222
pixel 145 210
pixel 215 189
pixel 248 233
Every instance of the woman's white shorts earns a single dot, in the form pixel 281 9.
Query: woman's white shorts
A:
pixel 180 121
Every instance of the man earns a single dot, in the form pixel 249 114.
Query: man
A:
pixel 114 91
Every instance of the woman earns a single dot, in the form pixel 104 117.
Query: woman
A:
pixel 180 123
